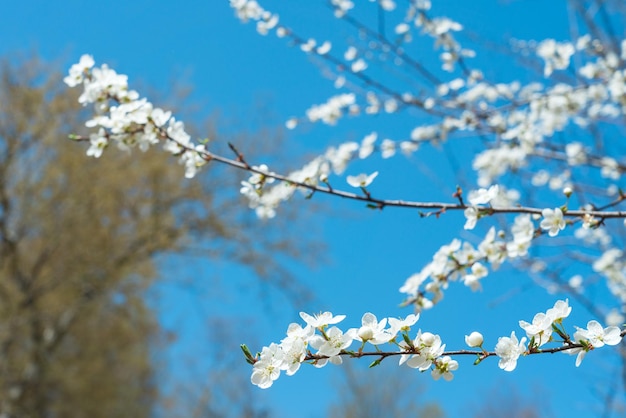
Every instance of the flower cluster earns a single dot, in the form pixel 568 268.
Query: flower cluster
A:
pixel 540 330
pixel 479 197
pixel 251 10
pixel 424 352
pixel 265 200
pixel 462 261
pixel 595 336
pixel 556 55
pixel 128 121
pixel 321 342
pixel 332 110
pixel 520 117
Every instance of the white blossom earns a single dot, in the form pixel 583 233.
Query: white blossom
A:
pixel 509 349
pixel 362 180
pixel 552 221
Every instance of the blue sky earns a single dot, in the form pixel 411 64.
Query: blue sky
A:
pixel 231 68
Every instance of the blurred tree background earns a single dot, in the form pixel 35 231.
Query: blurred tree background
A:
pixel 79 244
pixel 382 391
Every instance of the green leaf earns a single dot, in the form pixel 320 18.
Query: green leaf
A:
pixel 246 351
pixel 375 363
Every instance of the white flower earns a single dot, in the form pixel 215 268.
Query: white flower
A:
pixel 444 368
pixel 593 337
pixel 396 325
pixel 471 216
pixel 560 310
pixel 483 196
pixel 367 145
pixel 179 138
pixel 247 9
pixel 332 110
pixel 308 45
pixel 321 319
pixel 373 331
pixel 552 221
pixel 295 331
pixel 331 347
pixel 598 336
pixel 324 48
pixel 160 117
pixel 388 5
pixel 78 71
pixel 442 25
pixel 259 178
pixel 98 143
pixel 475 339
pixel 478 272
pixel 540 328
pixel 556 55
pixel 402 28
pixel 340 156
pixel 362 180
pixel 576 282
pixel 358 65
pixel 523 229
pixel 610 168
pixel 291 123
pixel 295 345
pixel 267 368
pixel 387 148
pixel 265 212
pixel 517 249
pixel 430 348
pixel 267 23
pixel 408 147
pixel 495 251
pixel 580 351
pixel 509 349
pixel 295 352
pixel 350 54
pixel 341 6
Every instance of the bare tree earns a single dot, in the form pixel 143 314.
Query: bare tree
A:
pixel 381 391
pixel 78 240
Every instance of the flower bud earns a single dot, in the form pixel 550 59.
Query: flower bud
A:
pixel 428 339
pixel 366 333
pixel 475 339
pixel 567 191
